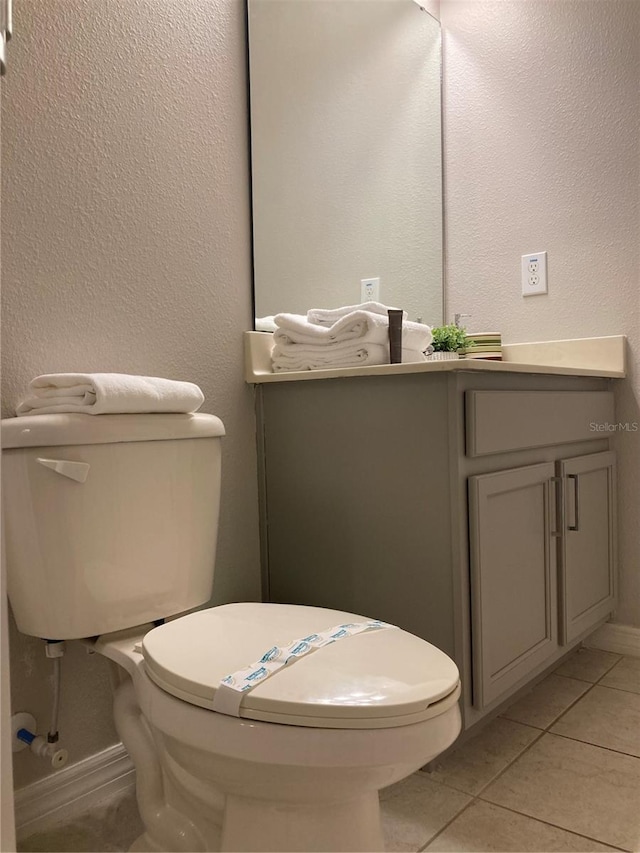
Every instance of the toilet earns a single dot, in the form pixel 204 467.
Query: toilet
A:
pixel 110 529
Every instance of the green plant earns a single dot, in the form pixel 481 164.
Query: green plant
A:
pixel 449 338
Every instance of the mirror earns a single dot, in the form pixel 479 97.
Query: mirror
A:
pixel 346 154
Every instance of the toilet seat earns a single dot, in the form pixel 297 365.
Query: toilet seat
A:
pixel 382 679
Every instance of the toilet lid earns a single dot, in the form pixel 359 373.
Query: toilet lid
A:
pixel 376 679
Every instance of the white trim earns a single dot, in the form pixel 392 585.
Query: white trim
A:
pixel 75 789
pixel 614 637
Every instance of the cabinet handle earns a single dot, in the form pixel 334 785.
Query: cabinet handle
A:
pixel 576 504
pixel 553 507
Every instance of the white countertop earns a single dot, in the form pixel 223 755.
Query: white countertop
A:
pixel 573 357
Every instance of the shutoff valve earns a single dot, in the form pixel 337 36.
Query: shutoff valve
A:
pixel 24 727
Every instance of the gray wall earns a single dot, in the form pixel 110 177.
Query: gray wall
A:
pixel 542 151
pixel 126 247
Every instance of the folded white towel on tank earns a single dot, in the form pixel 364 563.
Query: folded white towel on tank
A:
pixel 346 354
pixel 328 316
pixel 363 326
pixel 108 393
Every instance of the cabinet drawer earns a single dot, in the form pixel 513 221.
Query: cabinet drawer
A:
pixel 501 421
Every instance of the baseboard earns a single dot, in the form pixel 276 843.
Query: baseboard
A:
pixel 75 789
pixel 614 637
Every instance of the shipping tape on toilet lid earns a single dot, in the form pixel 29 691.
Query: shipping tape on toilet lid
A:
pixel 232 688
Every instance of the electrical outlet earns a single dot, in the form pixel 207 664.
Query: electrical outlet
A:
pixel 534 274
pixel 370 290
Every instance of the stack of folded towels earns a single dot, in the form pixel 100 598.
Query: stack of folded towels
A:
pixel 108 393
pixel 352 336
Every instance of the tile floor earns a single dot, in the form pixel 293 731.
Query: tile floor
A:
pixel 559 770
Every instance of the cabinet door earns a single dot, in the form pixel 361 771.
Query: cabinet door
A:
pixel 513 577
pixel 588 562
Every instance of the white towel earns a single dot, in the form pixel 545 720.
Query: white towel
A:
pixel 346 354
pixel 296 329
pixel 363 326
pixel 108 393
pixel 266 324
pixel 328 316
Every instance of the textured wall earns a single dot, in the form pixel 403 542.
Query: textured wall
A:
pixel 346 137
pixel 126 247
pixel 542 142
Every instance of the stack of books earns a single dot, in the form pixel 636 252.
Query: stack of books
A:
pixel 483 345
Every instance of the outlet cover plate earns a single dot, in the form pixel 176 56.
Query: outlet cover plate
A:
pixel 534 274
pixel 370 290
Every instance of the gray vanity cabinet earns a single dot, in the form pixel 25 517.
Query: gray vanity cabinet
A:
pixel 587 546
pixel 513 576
pixel 439 502
pixel 541 537
pixel 542 564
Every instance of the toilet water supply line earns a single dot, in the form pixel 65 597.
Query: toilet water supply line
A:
pixel 54 649
pixel 53 735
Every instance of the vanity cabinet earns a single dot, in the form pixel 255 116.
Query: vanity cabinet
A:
pixel 541 537
pixel 542 564
pixel 445 503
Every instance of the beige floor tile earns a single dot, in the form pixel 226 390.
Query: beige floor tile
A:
pixel 625 675
pixel 415 809
pixel 576 786
pixel 546 702
pixel 111 827
pixel 588 664
pixel 604 717
pixel 474 764
pixel 69 838
pixel 485 827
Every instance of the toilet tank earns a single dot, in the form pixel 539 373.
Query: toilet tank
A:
pixel 125 534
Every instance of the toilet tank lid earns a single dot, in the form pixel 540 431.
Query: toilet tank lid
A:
pixel 74 429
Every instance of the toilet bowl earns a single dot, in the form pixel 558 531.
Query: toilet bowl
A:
pixel 232 749
pixel 301 767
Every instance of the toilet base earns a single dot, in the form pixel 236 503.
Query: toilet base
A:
pixel 352 825
pixel 209 782
pixel 346 827
pixel 143 844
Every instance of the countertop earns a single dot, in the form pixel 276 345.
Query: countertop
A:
pixel 604 356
